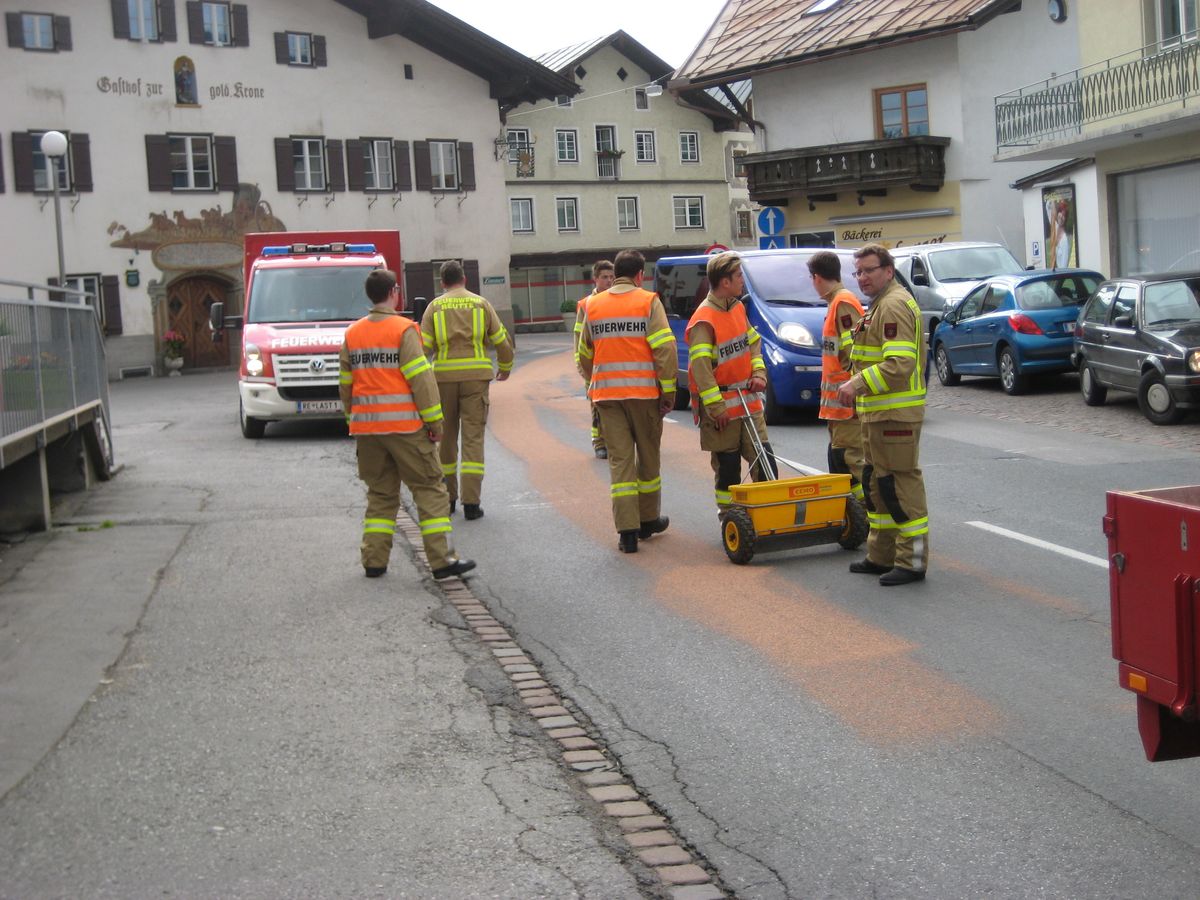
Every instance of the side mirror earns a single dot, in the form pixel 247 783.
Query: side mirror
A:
pixel 216 318
pixel 920 279
pixel 1123 322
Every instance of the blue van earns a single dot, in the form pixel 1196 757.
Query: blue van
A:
pixel 781 304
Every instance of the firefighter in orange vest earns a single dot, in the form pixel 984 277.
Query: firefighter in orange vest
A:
pixel 837 339
pixel 725 354
pixel 602 276
pixel 390 398
pixel 627 355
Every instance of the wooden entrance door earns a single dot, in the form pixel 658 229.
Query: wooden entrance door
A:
pixel 188 303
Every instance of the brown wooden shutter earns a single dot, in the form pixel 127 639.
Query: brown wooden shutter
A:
pixel 403 165
pixel 166 21
pixel 423 165
pixel 120 17
pixel 285 172
pixel 81 162
pixel 466 165
pixel 281 48
pixel 356 169
pixel 110 303
pixel 62 32
pixel 158 162
pixel 318 50
pixel 418 282
pixel 195 22
pixel 241 26
pixel 337 165
pixel 471 270
pixel 16 29
pixel 225 152
pixel 22 145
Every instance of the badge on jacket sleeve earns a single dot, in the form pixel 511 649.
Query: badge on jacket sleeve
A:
pixel 846 322
pixel 889 330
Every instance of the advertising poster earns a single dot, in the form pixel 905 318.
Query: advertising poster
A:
pixel 1059 226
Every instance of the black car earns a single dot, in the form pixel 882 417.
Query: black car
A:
pixel 1142 334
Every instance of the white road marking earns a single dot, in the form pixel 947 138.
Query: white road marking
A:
pixel 1045 545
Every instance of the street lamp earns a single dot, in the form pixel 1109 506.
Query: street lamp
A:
pixel 54 146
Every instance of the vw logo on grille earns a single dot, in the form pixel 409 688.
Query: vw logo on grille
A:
pixel 317 365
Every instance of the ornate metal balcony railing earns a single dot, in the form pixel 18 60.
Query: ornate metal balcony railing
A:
pixel 918 162
pixel 1063 106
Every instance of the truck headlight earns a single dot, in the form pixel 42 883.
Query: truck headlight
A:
pixel 254 363
pixel 1194 361
pixel 797 334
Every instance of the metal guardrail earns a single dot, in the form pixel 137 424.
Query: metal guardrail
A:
pixel 52 364
pixel 1062 106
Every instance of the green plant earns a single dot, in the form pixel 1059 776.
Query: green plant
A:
pixel 567 306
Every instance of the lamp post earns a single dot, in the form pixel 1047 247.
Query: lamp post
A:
pixel 54 147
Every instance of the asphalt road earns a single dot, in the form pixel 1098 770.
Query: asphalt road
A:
pixel 814 734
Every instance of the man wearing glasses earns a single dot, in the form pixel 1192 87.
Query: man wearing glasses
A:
pixel 888 392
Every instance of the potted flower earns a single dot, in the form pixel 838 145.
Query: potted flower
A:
pixel 173 342
pixel 567 308
pixel 610 153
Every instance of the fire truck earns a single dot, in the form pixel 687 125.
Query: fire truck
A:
pixel 302 290
pixel 1154 588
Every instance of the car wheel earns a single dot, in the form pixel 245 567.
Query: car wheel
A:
pixel 1093 392
pixel 1155 400
pixel 772 411
pixel 1011 378
pixel 252 428
pixel 941 361
pixel 737 534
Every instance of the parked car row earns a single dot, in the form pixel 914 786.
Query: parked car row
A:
pixel 1139 334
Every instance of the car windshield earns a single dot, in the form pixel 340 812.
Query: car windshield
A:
pixel 972 263
pixel 1054 293
pixel 785 279
pixel 309 294
pixel 1172 303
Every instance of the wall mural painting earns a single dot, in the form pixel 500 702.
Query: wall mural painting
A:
pixel 249 213
pixel 185 82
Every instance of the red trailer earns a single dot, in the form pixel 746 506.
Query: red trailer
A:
pixel 1154 580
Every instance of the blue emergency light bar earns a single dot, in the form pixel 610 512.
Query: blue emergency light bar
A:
pixel 318 248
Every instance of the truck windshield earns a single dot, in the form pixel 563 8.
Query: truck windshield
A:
pixel 310 294
pixel 785 279
pixel 972 263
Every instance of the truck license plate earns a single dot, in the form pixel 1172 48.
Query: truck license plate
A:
pixel 318 406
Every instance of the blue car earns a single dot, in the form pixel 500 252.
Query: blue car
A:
pixel 781 304
pixel 1013 326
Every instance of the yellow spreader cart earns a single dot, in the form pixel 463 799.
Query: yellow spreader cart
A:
pixel 790 512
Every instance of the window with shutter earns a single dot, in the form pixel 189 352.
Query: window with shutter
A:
pixel 38 31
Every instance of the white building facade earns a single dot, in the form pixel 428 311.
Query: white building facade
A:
pixel 192 123
pixel 620 165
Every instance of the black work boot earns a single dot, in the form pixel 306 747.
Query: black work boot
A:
pixel 374 571
pixel 866 567
pixel 472 510
pixel 455 569
pixel 653 527
pixel 900 575
pixel 628 542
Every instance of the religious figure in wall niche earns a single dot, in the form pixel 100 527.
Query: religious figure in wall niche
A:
pixel 185 82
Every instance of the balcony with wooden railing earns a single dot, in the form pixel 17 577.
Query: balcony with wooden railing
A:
pixel 1066 107
pixel 918 162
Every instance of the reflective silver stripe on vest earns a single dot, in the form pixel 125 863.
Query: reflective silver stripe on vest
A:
pixel 367 399
pixel 625 382
pixel 396 416
pixel 635 366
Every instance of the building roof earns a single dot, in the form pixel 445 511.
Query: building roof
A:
pixel 712 103
pixel 751 36
pixel 513 77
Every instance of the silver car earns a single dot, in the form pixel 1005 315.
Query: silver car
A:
pixel 940 275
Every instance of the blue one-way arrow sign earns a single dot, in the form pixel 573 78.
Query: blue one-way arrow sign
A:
pixel 774 242
pixel 770 220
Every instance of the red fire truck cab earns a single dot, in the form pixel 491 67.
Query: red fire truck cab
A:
pixel 302 290
pixel 1154 587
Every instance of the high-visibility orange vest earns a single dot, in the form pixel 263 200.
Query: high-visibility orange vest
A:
pixel 622 361
pixel 836 337
pixel 732 359
pixel 381 400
